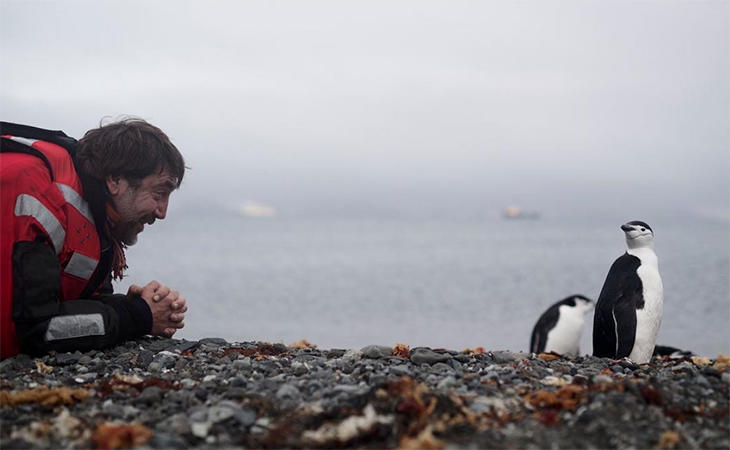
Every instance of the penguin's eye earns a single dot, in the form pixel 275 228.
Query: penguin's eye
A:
pixel 643 229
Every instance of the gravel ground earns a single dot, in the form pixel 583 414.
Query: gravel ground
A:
pixel 166 393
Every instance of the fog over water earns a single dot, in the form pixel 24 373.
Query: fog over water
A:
pixel 588 112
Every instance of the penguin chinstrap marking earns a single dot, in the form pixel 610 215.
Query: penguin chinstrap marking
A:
pixel 629 308
pixel 559 328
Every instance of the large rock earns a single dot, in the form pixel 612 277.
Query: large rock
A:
pixel 424 355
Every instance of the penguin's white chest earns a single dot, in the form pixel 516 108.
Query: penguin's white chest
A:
pixel 648 318
pixel 564 338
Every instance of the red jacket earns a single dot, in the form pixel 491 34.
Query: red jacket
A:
pixel 49 243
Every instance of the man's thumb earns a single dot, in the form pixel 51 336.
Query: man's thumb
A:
pixel 134 290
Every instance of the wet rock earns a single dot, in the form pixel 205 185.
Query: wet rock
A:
pixel 165 359
pixel 144 358
pixel 242 364
pixel 376 351
pixel 213 341
pixel 335 353
pixel 201 394
pixel 151 395
pixel 168 440
pixel 446 383
pixel 245 417
pixel 222 411
pixel 287 391
pixel 443 368
pixel 66 359
pixel 424 355
pixel 401 369
pixel 184 346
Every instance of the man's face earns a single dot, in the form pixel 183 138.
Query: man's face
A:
pixel 137 206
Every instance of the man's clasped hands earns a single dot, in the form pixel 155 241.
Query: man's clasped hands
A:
pixel 168 307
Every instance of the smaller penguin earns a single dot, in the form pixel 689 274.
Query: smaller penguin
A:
pixel 665 350
pixel 559 328
pixel 629 308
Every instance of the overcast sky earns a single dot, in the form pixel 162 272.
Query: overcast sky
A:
pixel 296 103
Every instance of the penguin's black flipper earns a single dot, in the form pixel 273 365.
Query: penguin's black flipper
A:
pixel 544 324
pixel 604 335
pixel 620 292
pixel 537 340
pixel 624 314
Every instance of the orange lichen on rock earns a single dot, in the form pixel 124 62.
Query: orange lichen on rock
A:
pixel 42 368
pixel 548 356
pixel 424 440
pixel 112 436
pixel 121 382
pixel 567 398
pixel 401 350
pixel 411 397
pixel 302 344
pixel 669 440
pixel 722 363
pixel 44 395
pixel 474 351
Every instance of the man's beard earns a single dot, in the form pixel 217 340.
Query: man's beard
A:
pixel 127 232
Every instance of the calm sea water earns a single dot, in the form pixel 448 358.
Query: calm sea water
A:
pixel 440 283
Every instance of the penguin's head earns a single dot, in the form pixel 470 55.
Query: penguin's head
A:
pixel 582 303
pixel 638 234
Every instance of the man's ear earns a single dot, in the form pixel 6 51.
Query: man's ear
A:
pixel 114 184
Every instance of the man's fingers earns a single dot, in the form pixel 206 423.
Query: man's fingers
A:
pixel 134 290
pixel 170 331
pixel 177 317
pixel 161 292
pixel 180 304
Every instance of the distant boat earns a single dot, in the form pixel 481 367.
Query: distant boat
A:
pixel 256 210
pixel 515 212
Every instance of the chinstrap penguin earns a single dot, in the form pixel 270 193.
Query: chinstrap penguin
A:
pixel 665 350
pixel 629 308
pixel 559 328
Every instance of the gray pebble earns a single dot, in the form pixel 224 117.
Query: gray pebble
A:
pixel 151 395
pixel 246 417
pixel 287 391
pixel 423 355
pixel 446 383
pixel 401 369
pixel 66 359
pixel 144 358
pixel 376 351
pixel 213 340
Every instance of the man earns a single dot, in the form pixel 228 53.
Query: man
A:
pixel 68 209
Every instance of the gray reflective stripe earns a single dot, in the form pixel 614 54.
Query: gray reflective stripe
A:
pixel 76 201
pixel 27 205
pixel 81 266
pixel 68 327
pixel 25 141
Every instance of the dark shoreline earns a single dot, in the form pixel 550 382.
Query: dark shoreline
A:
pixel 165 393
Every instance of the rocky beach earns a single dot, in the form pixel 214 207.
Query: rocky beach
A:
pixel 167 393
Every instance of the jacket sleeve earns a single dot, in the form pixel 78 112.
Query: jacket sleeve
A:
pixel 45 323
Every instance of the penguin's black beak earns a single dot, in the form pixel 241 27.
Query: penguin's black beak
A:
pixel 626 227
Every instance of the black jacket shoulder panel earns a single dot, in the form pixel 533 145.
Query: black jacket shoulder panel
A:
pixel 26 131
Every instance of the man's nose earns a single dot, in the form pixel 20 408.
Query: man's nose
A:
pixel 161 210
